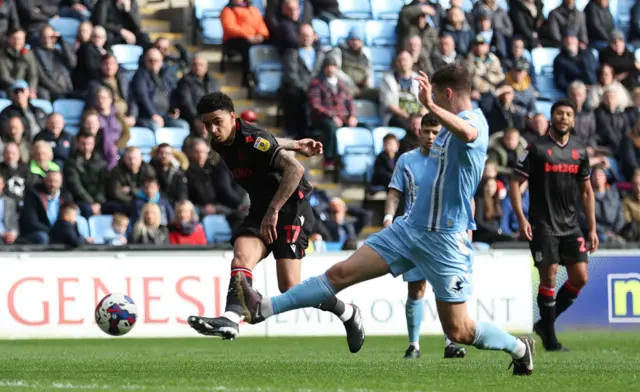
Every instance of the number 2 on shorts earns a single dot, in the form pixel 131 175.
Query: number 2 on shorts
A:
pixel 583 248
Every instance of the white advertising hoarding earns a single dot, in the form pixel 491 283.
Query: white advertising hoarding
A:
pixel 54 295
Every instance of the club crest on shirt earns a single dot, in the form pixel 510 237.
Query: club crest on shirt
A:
pixel 262 144
pixel 575 155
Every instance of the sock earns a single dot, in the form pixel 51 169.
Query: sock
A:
pixel 447 341
pixel 413 311
pixel 547 306
pixel 415 345
pixel 337 307
pixel 490 337
pixel 233 309
pixel 566 297
pixel 309 293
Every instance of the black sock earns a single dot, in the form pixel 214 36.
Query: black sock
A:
pixel 566 297
pixel 547 306
pixel 333 305
pixel 233 303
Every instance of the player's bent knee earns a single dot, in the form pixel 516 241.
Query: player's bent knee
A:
pixel 286 284
pixel 462 331
pixel 579 280
pixel 417 289
pixel 338 275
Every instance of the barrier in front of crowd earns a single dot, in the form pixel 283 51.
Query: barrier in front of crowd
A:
pixel 53 294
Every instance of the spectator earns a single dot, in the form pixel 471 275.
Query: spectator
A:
pixel 505 149
pixel 517 53
pixel 90 124
pixel 56 61
pixel 573 63
pixel 117 235
pixel 194 86
pixel 484 67
pixel 527 19
pixel 633 112
pixel 9 19
pixel 153 91
pixel 494 37
pixel 125 180
pixel 599 21
pixel 585 119
pixel 185 229
pixel 331 107
pixel 446 53
pixel 609 213
pixel 42 204
pixel 488 215
pixel 89 57
pixel 77 9
pixel 535 127
pixel 399 93
pixel 610 121
pixel 211 187
pixel 83 36
pixel 15 134
pixel 34 14
pixel 86 175
pixel 299 66
pixel 121 19
pixel 114 133
pixel 459 29
pixel 420 58
pixel 65 231
pixel 283 17
pixel 509 224
pixel 242 26
pixel 631 209
pixel 33 117
pixel 624 63
pixel 411 139
pixel 385 162
pixel 8 216
pixel 339 228
pixel 630 152
pixel 149 230
pixel 498 16
pixel 60 141
pixel 356 69
pixel 608 82
pixel 14 172
pixel 169 166
pixel 418 19
pixel 174 63
pixel 500 111
pixel 17 63
pixel 41 161
pixel 566 17
pixel 634 24
pixel 149 192
pixel 110 77
pixel 524 93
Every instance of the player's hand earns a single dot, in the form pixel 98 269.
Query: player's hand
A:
pixel 387 223
pixel 525 230
pixel 594 241
pixel 268 226
pixel 309 147
pixel 426 94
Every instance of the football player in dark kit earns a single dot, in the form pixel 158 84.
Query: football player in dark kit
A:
pixel 280 217
pixel 557 168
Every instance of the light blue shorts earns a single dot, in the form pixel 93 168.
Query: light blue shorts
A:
pixel 445 260
pixel 413 275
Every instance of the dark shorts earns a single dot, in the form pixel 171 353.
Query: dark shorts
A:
pixel 295 225
pixel 547 249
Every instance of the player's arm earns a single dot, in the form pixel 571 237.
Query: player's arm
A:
pixel 520 176
pixel 391 206
pixel 460 127
pixel 588 203
pixel 306 147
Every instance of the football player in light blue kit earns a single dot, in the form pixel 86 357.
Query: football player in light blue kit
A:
pixel 407 178
pixel 432 237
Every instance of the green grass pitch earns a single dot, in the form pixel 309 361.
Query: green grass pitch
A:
pixel 603 362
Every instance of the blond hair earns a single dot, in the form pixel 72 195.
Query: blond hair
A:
pixel 188 205
pixel 141 228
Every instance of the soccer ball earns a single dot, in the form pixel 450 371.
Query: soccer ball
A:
pixel 116 314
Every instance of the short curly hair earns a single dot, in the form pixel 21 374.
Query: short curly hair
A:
pixel 215 101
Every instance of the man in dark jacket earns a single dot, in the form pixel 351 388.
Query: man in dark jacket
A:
pixel 76 9
pixel 9 19
pixel 566 17
pixel 14 172
pixel 33 117
pixel 574 63
pixel 8 216
pixel 116 81
pixel 611 121
pixel 326 10
pixel 600 23
pixel 194 86
pixel 18 63
pixel 411 16
pixel 34 14
pixel 171 179
pixel 121 19
pixel 279 11
pixel 86 175
pixel 61 142
pixel 125 180
pixel 153 91
pixel 42 204
pixel 54 65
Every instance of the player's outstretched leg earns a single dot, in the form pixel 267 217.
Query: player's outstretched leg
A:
pixel 549 307
pixel 452 350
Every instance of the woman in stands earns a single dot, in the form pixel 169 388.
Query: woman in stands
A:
pixel 185 228
pixel 148 230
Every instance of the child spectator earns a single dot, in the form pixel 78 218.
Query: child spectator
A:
pixel 185 229
pixel 386 161
pixel 150 193
pixel 65 231
pixel 117 235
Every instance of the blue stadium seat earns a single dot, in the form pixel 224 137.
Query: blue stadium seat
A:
pixel 216 228
pixel 543 57
pixel 71 110
pixel 379 134
pixel 66 27
pixel 382 57
pixel 356 9
pixel 377 78
pixel 637 54
pixel 380 33
pixel 322 29
pixel 172 136
pixel 99 225
pixel 353 139
pixel 340 29
pixel 146 157
pixel 128 56
pixel 544 107
pixel 43 104
pixel 264 56
pixel 267 81
pixel 83 226
pixel 259 5
pixel 386 9
pixel 211 31
pixel 334 246
pixel 550 5
pixel 143 138
pixel 367 112
pixel 547 87
pixel 208 8
pixel 72 129
pixel 4 103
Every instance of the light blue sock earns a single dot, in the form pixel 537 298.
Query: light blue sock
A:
pixel 413 311
pixel 309 293
pixel 489 337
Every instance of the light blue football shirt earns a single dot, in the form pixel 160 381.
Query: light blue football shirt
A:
pixel 408 175
pixel 450 179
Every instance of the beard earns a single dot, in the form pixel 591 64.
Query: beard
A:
pixel 562 132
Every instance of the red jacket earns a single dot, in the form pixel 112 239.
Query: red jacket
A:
pixel 176 237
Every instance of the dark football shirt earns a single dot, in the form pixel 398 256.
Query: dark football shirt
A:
pixel 555 173
pixel 250 157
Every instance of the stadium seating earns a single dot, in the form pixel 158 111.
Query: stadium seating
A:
pixel 367 112
pixel 4 103
pixel 66 27
pixel 99 225
pixel 216 228
pixel 355 146
pixel 267 82
pixel 205 9
pixel 386 9
pixel 353 138
pixel 172 136
pixel 544 107
pixel 71 110
pixel 382 57
pixel 377 78
pixel 547 87
pixel 83 226
pixel 379 134
pixel 340 28
pixel 212 32
pixel 543 58
pixel 71 129
pixel 43 104
pixel 322 29
pixel 265 57
pixel 143 138
pixel 380 33
pixel 128 56
pixel 356 9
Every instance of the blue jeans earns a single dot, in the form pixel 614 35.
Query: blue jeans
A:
pixel 37 237
pixel 168 123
